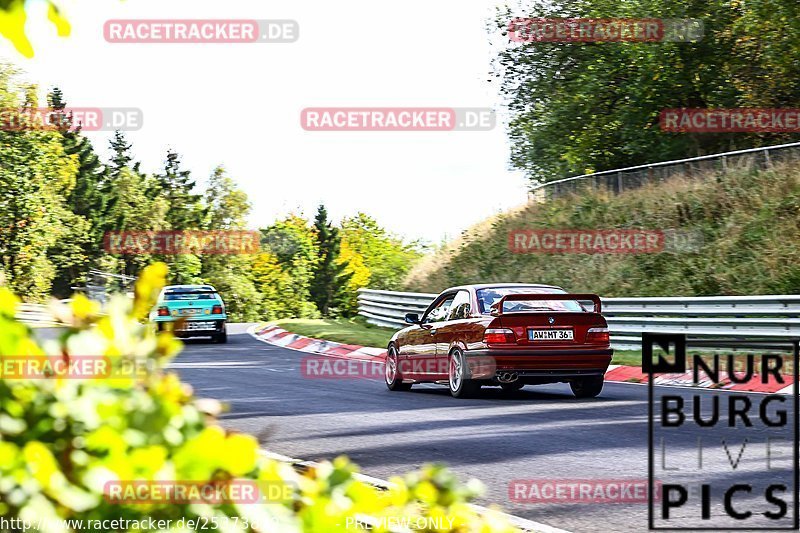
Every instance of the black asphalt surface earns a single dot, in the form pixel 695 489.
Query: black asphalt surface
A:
pixel 538 433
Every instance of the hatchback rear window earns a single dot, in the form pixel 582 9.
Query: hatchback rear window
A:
pixel 491 295
pixel 191 295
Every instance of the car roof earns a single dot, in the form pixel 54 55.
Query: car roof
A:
pixel 478 286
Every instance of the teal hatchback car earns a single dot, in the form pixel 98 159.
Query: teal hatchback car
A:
pixel 191 311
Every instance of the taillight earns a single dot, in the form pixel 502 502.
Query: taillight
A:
pixel 499 336
pixel 597 336
pixel 163 311
pixel 216 310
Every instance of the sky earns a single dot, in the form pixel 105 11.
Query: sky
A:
pixel 239 105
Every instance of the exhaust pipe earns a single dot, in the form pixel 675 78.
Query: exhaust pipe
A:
pixel 507 377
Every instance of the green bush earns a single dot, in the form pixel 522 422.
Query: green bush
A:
pixel 63 439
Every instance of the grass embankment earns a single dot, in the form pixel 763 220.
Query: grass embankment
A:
pixel 749 221
pixel 344 330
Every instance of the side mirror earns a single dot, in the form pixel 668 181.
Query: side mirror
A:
pixel 412 318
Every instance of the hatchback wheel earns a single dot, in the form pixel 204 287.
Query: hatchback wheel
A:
pixel 587 387
pixel 458 376
pixel 394 380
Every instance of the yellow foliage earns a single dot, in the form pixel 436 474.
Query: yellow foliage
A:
pixel 355 265
pixel 12 27
pixel 12 24
pixel 61 445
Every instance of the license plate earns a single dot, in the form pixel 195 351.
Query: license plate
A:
pixel 198 326
pixel 551 334
pixel 186 312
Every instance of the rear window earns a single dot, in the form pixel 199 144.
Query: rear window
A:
pixel 189 294
pixel 491 295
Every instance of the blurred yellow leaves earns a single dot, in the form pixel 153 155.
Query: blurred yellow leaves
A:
pixel 12 27
pixel 150 282
pixel 59 21
pixel 12 24
pixel 60 446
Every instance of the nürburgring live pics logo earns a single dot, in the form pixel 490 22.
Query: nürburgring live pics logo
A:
pixel 725 460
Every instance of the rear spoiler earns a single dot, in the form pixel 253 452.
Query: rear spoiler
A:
pixel 497 309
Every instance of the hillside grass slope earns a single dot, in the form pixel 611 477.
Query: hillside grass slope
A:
pixel 749 221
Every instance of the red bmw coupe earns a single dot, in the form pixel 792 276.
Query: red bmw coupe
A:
pixel 506 334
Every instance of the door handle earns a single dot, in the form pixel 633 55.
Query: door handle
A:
pixel 433 332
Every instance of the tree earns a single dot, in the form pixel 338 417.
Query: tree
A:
pixel 330 276
pixel 373 257
pixel 81 243
pixel 227 206
pixel 133 210
pixel 176 186
pixel 122 154
pixel 583 107
pixel 35 176
pixel 275 285
pixel 226 209
pixel 284 270
pixel 175 189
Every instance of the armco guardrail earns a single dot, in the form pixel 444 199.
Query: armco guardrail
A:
pixel 35 314
pixel 387 308
pixel 707 317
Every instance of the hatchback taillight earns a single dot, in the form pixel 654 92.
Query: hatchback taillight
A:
pixel 499 336
pixel 163 311
pixel 216 310
pixel 597 336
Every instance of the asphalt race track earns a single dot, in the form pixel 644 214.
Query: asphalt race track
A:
pixel 539 432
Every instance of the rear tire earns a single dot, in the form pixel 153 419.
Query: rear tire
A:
pixel 458 376
pixel 587 387
pixel 221 338
pixel 393 378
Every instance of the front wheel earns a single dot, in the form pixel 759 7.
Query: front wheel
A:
pixel 394 380
pixel 458 376
pixel 587 387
